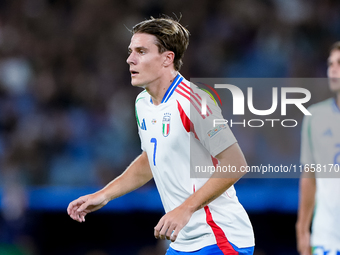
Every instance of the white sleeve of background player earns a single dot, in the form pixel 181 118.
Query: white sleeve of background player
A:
pixel 214 139
pixel 306 156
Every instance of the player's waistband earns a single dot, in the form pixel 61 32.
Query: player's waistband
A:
pixel 215 250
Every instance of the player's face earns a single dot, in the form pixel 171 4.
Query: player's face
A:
pixel 333 71
pixel 145 61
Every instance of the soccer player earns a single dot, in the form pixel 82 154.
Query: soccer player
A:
pixel 203 215
pixel 321 145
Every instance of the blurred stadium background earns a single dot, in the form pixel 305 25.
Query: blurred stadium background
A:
pixel 67 124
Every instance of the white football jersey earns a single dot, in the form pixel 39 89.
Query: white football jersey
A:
pixel 321 146
pixel 176 138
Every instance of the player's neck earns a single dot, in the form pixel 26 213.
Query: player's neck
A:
pixel 159 87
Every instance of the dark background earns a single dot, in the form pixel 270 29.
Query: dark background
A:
pixel 67 124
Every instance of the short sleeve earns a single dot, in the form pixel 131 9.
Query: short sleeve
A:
pixel 211 129
pixel 139 122
pixel 141 140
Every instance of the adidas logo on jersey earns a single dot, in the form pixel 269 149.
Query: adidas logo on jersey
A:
pixel 143 125
pixel 328 132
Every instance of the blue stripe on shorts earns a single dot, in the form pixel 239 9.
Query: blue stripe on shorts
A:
pixel 243 251
pixel 211 250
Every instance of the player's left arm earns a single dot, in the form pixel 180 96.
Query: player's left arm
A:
pixel 172 222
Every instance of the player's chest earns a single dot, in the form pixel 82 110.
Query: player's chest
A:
pixel 326 129
pixel 164 124
pixel 326 135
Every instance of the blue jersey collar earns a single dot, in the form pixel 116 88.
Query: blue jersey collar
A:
pixel 178 79
pixel 335 106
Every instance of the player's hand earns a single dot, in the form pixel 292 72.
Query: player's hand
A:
pixel 78 208
pixel 303 244
pixel 171 223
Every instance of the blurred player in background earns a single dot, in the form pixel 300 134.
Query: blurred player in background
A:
pixel 321 145
pixel 203 215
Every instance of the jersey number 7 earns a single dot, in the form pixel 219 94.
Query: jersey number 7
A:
pixel 154 140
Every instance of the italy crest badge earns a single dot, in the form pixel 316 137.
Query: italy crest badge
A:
pixel 166 124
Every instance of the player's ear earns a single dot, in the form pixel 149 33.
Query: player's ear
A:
pixel 169 57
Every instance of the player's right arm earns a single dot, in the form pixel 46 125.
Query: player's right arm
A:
pixel 135 176
pixel 307 188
